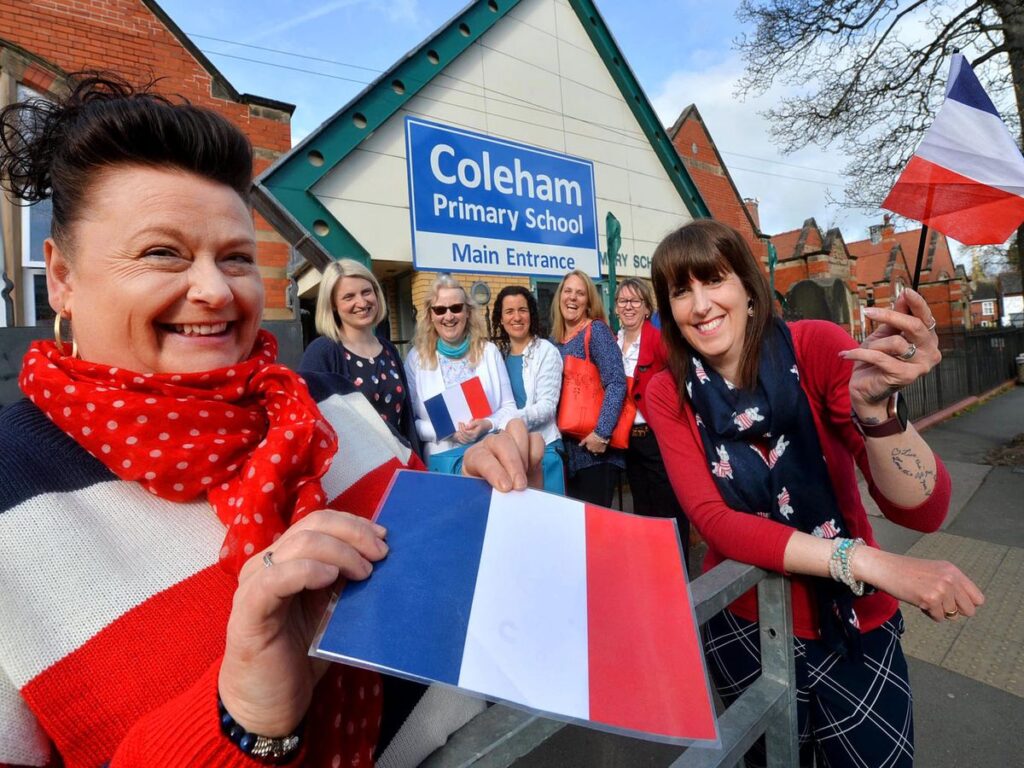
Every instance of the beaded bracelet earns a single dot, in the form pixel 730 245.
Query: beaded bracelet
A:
pixel 272 751
pixel 839 564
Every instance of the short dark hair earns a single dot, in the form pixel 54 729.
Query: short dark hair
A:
pixel 55 149
pixel 706 249
pixel 501 337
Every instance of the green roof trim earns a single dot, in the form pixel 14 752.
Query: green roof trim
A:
pixel 283 193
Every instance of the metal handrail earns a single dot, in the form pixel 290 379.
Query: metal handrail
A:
pixel 501 735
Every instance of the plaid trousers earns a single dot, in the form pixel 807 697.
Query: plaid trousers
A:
pixel 849 714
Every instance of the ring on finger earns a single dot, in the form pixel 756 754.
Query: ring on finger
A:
pixel 909 353
pixel 951 614
pixel 268 558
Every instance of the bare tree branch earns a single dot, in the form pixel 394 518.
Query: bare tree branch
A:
pixel 869 75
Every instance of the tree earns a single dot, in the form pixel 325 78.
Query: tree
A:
pixel 871 74
pixel 992 260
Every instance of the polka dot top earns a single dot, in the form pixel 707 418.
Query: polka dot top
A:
pixel 379 380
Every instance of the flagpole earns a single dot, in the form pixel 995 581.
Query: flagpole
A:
pixel 920 255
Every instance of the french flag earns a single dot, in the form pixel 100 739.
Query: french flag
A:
pixel 575 611
pixel 458 404
pixel 967 177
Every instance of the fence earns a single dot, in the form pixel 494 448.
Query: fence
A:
pixel 972 363
pixel 500 736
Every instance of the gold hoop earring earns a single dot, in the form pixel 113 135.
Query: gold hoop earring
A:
pixel 57 336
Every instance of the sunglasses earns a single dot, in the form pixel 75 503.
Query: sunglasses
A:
pixel 440 311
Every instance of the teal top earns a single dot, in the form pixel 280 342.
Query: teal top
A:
pixel 514 363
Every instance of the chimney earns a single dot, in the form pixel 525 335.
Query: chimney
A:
pixel 751 203
pixel 883 231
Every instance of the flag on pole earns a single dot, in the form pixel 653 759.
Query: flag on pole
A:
pixel 538 600
pixel 458 404
pixel 966 179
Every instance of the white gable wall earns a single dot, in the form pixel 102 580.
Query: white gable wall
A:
pixel 534 78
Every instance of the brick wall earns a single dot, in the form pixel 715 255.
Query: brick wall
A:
pixel 41 39
pixel 708 173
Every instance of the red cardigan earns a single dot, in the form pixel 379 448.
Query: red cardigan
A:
pixel 652 359
pixel 824 378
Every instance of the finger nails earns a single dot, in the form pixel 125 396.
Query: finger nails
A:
pixel 382 547
pixel 380 530
pixel 519 481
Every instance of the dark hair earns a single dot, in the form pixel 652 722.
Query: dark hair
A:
pixel 501 337
pixel 55 148
pixel 707 249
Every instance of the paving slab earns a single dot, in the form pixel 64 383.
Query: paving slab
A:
pixel 969 436
pixel 931 641
pixel 961 723
pixel 996 511
pixel 990 648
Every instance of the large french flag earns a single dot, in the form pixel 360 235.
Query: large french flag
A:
pixel 967 177
pixel 457 404
pixel 576 611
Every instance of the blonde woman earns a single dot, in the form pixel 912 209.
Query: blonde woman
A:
pixel 450 348
pixel 593 466
pixel 348 310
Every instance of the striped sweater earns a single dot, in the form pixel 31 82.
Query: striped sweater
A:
pixel 114 608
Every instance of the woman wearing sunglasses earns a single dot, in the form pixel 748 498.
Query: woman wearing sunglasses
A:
pixel 451 348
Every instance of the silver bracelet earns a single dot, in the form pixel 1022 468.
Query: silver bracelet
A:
pixel 839 564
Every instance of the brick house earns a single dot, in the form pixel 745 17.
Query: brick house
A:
pixel 885 266
pixel 700 156
pixel 985 304
pixel 815 273
pixel 41 42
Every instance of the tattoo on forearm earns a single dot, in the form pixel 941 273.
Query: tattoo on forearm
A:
pixel 909 463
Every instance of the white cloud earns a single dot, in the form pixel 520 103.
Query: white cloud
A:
pixel 790 188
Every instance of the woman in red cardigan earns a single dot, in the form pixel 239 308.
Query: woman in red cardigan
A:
pixel 760 425
pixel 643 355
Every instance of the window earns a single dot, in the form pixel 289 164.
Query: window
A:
pixel 35 228
pixel 988 307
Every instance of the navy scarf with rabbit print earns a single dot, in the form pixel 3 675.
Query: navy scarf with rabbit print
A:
pixel 764 454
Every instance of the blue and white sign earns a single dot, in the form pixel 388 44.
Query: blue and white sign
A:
pixel 481 204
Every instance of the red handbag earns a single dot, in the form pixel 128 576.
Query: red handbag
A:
pixel 582 396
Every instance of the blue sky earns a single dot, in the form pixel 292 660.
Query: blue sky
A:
pixel 680 50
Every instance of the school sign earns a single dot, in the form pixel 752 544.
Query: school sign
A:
pixel 484 204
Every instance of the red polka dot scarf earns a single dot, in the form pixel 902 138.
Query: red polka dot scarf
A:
pixel 249 437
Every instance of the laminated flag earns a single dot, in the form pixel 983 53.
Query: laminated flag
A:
pixel 459 404
pixel 545 602
pixel 966 179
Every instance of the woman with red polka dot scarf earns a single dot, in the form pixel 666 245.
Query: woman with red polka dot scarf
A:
pixel 171 523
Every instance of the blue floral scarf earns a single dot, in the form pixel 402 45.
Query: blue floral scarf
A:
pixel 764 454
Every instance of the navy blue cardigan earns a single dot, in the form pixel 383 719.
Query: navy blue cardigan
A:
pixel 326 356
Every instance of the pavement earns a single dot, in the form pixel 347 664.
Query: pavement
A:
pixel 968 675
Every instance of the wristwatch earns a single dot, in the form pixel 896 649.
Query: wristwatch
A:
pixel 896 424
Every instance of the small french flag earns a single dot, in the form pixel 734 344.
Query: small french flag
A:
pixel 545 602
pixel 459 404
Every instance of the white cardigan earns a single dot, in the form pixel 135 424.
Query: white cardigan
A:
pixel 425 383
pixel 542 380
